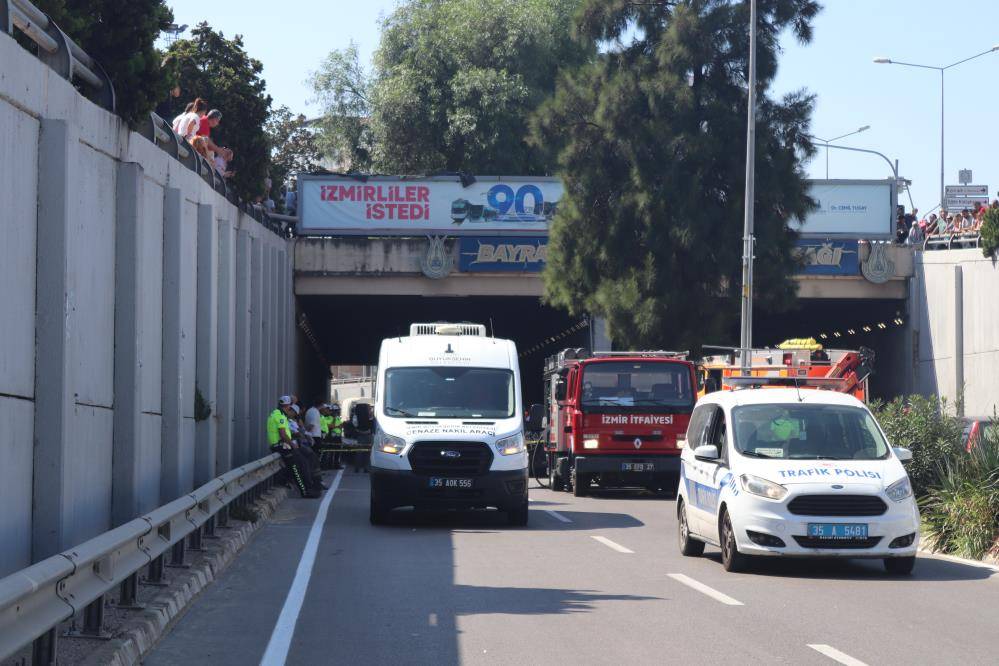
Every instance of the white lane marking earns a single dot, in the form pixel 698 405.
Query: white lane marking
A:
pixel 704 589
pixel 836 655
pixel 280 642
pixel 558 516
pixel 610 544
pixel 432 620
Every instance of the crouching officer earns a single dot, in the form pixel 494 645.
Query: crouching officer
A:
pixel 279 438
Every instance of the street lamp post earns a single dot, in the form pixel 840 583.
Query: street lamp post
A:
pixel 843 136
pixel 746 336
pixel 889 61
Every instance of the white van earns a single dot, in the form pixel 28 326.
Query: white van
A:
pixel 449 423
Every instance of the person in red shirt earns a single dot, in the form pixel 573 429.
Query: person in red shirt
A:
pixel 207 122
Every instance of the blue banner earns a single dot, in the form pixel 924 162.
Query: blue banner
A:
pixel 828 257
pixel 502 254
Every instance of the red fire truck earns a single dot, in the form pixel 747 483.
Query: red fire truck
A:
pixel 613 418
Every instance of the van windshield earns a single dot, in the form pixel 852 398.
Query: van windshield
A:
pixel 648 386
pixel 447 392
pixel 807 432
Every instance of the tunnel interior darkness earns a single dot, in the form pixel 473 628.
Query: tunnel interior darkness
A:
pixel 349 329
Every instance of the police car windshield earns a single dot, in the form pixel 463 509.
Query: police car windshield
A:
pixel 648 386
pixel 446 392
pixel 807 432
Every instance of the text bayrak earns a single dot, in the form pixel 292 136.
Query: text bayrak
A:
pixel 828 472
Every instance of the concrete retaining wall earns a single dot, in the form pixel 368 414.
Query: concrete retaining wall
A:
pixel 954 319
pixel 125 286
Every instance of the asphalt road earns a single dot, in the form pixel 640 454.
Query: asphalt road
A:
pixel 590 581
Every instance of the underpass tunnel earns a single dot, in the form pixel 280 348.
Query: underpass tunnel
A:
pixel 846 324
pixel 349 329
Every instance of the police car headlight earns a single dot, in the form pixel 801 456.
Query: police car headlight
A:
pixel 390 443
pixel 757 486
pixel 509 446
pixel 899 490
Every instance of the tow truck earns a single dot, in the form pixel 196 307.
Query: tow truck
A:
pixel 801 362
pixel 613 418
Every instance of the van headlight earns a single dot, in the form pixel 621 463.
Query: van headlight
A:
pixel 509 446
pixel 899 490
pixel 757 486
pixel 389 443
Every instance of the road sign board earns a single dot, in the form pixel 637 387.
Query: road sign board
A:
pixel 966 191
pixel 957 204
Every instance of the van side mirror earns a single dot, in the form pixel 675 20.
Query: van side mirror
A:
pixel 535 418
pixel 560 387
pixel 707 452
pixel 902 453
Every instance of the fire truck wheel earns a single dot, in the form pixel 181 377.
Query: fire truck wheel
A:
pixel 555 482
pixel 688 545
pixel 580 485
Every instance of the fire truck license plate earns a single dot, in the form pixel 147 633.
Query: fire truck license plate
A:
pixel 638 467
pixel 438 482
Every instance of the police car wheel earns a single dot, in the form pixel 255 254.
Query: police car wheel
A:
pixel 732 559
pixel 689 546
pixel 900 565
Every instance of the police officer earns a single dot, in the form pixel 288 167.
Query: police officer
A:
pixel 305 442
pixel 280 440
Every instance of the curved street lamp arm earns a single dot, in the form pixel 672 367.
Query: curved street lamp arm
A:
pixel 891 165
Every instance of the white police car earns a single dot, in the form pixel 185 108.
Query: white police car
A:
pixel 788 472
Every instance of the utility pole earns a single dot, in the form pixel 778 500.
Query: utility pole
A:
pixel 746 338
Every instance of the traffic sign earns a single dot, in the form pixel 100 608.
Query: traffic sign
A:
pixel 957 204
pixel 966 191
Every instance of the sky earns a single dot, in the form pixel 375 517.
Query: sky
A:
pixel 901 104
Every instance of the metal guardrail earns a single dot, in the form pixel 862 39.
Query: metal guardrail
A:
pixel 35 600
pixel 57 50
pixel 949 241
pixel 66 57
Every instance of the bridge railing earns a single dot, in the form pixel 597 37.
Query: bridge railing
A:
pixel 57 50
pixel 35 600
pixel 951 241
pixel 70 61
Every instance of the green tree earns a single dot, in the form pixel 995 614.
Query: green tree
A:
pixel 453 86
pixel 294 146
pixel 120 36
pixel 990 232
pixel 650 138
pixel 343 89
pixel 219 70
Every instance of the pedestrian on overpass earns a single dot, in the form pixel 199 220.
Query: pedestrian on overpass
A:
pixel 281 442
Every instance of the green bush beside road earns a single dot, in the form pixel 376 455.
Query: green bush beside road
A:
pixel 927 428
pixel 958 491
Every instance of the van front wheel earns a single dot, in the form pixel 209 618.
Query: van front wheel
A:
pixel 517 515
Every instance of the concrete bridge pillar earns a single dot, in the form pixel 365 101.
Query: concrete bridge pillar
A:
pixel 206 363
pixel 58 147
pixel 171 458
pixel 226 348
pixel 242 400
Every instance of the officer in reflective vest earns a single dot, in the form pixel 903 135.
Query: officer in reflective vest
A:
pixel 279 438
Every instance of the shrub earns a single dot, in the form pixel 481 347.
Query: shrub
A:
pixel 961 511
pixel 927 428
pixel 990 232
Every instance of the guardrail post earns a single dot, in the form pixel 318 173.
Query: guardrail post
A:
pixel 223 517
pixel 177 553
pixel 155 573
pixel 43 649
pixel 93 621
pixel 194 542
pixel 129 592
pixel 210 528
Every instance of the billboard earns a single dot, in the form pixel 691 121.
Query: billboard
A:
pixel 851 208
pixel 825 256
pixel 434 205
pixel 502 254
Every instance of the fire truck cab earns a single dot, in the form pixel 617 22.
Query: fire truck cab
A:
pixel 613 418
